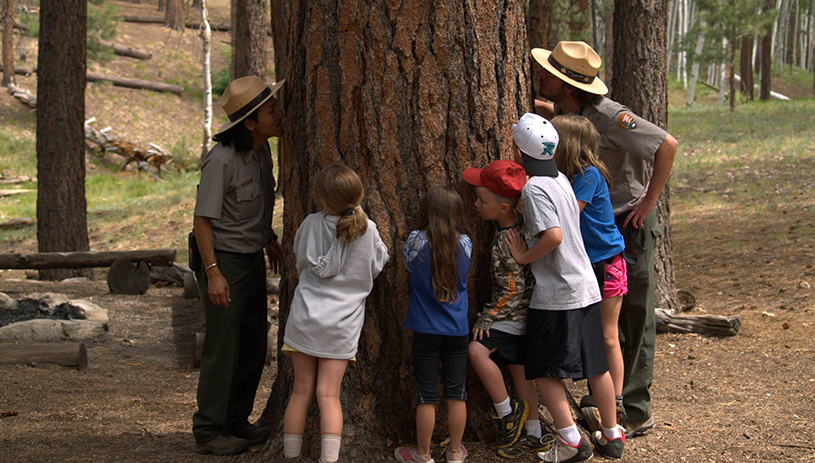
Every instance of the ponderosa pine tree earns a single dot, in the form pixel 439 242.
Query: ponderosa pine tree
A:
pixel 408 95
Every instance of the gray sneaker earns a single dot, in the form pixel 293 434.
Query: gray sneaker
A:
pixel 225 444
pixel 609 448
pixel 635 428
pixel 562 452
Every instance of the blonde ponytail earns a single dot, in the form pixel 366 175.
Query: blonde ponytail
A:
pixel 340 189
pixel 352 225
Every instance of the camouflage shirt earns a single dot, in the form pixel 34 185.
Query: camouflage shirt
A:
pixel 512 285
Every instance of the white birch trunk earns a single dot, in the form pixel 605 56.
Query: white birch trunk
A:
pixel 694 75
pixel 775 28
pixel 206 37
pixel 671 31
pixel 680 18
pixel 723 76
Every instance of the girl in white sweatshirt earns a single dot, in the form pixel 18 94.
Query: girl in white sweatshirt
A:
pixel 339 253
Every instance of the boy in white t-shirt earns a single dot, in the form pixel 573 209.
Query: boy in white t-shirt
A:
pixel 564 329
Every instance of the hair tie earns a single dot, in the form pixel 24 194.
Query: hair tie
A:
pixel 352 211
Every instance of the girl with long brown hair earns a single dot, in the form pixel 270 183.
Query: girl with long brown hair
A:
pixel 339 253
pixel 437 255
pixel 577 157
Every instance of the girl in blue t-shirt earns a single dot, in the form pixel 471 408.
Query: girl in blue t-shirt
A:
pixel 577 157
pixel 437 255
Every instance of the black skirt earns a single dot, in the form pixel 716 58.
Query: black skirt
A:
pixel 565 343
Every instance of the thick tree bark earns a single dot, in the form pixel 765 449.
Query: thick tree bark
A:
pixel 8 42
pixel 539 20
pixel 747 67
pixel 174 15
pixel 61 209
pixel 407 95
pixel 250 39
pixel 640 35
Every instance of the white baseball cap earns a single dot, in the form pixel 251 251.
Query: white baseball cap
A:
pixel 537 139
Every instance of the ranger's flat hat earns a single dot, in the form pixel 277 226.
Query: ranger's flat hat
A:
pixel 242 96
pixel 575 63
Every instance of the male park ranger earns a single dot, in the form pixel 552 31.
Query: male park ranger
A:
pixel 233 223
pixel 639 156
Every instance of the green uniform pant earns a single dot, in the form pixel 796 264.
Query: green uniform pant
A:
pixel 234 347
pixel 637 322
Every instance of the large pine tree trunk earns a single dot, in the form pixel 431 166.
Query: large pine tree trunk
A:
pixel 408 95
pixel 639 56
pixel 8 42
pixel 539 20
pixel 766 58
pixel 747 67
pixel 250 38
pixel 61 210
pixel 174 15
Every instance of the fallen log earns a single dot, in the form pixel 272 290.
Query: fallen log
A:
pixel 130 52
pixel 17 223
pixel 17 179
pixel 21 70
pixel 173 274
pixel 155 20
pixel 41 260
pixel 136 83
pixel 199 349
pixel 716 325
pixel 4 193
pixel 66 354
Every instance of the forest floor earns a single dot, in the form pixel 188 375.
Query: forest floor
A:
pixel 743 240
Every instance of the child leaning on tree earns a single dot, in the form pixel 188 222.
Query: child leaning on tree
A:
pixel 499 331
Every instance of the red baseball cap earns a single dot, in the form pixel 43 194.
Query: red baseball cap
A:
pixel 504 178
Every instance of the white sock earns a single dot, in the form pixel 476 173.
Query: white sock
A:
pixel 571 435
pixel 292 445
pixel 533 428
pixel 329 448
pixel 503 409
pixel 612 433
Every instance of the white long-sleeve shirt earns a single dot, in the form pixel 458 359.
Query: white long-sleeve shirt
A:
pixel 328 307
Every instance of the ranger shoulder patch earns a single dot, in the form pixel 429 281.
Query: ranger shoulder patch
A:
pixel 627 121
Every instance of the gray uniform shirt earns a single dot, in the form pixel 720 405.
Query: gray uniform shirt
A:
pixel 627 146
pixel 237 193
pixel 564 279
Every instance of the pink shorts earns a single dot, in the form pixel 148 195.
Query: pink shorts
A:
pixel 615 278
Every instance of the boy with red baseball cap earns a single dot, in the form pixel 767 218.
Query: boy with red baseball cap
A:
pixel 499 331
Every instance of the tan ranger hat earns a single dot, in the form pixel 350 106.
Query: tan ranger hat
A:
pixel 244 95
pixel 575 63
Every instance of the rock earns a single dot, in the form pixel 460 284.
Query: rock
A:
pixel 75 280
pixel 8 309
pixel 41 305
pixel 7 303
pixel 273 285
pixel 52 330
pixel 86 310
